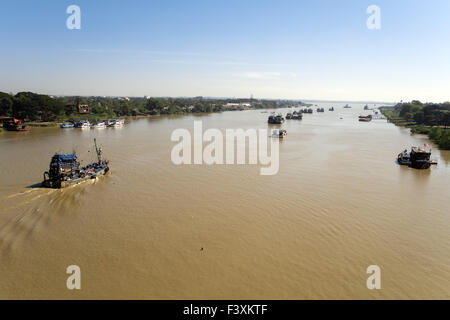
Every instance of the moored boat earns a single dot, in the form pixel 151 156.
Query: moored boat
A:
pixel 99 125
pixel 83 124
pixel 297 116
pixel 66 125
pixel 13 124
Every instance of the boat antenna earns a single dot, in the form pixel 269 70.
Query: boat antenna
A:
pixel 99 152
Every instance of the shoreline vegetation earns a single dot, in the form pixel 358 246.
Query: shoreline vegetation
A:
pixel 432 119
pixel 47 111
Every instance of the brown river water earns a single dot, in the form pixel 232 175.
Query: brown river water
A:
pixel 338 204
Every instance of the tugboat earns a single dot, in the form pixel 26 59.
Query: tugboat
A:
pixel 418 158
pixel 99 125
pixel 12 124
pixel 65 170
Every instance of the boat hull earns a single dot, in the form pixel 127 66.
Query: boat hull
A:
pixel 67 183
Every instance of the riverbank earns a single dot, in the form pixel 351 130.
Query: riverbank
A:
pixel 438 134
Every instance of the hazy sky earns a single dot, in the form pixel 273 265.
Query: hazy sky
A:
pixel 317 49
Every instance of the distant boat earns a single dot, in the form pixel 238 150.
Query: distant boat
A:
pixel 116 123
pixel 331 109
pixel 67 125
pixel 347 106
pixel 83 124
pixel 297 116
pixel 278 119
pixel 99 125
pixel 366 107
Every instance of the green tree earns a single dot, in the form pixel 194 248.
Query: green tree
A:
pixel 6 104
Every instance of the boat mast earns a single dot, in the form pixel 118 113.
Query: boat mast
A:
pixel 99 152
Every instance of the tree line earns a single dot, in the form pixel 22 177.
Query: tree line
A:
pixel 426 118
pixel 30 106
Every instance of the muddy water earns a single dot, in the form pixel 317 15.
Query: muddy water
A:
pixel 338 204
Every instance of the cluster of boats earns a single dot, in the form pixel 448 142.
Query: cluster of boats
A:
pixel 84 124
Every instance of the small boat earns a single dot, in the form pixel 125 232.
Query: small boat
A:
pixel 66 125
pixel 298 116
pixel 116 124
pixel 99 125
pixel 289 115
pixel 13 124
pixel 83 124
pixel 403 158
pixel 366 107
pixel 109 122
pixel 347 106
pixel 65 170
pixel 279 134
pixel 331 109
pixel 365 118
pixel 320 110
pixel 418 158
